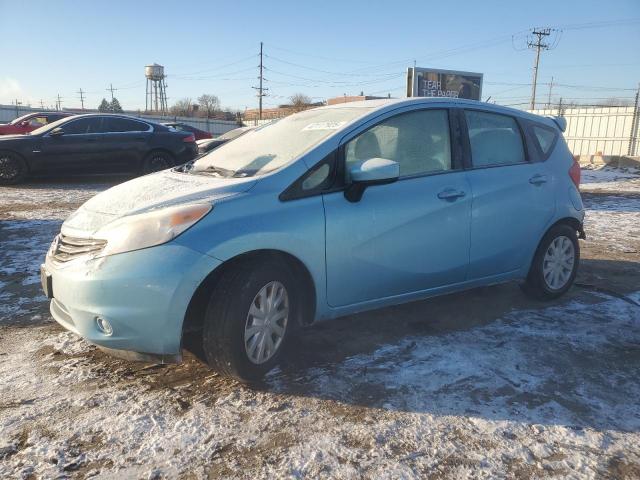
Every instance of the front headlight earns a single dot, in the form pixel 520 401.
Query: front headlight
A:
pixel 149 229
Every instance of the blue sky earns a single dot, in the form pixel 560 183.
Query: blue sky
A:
pixel 322 49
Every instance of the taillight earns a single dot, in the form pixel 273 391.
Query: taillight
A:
pixel 574 173
pixel 191 138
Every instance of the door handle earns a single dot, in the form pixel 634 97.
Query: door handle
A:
pixel 451 194
pixel 538 179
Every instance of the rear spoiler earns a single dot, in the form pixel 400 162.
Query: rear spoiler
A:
pixel 561 122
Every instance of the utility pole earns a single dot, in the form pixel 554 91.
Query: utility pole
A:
pixel 17 103
pixel 58 103
pixel 635 121
pixel 260 88
pixel 81 98
pixel 549 97
pixel 539 45
pixel 41 104
pixel 111 89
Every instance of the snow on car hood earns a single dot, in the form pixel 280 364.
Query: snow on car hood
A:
pixel 162 189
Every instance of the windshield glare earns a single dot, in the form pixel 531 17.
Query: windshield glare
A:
pixel 270 147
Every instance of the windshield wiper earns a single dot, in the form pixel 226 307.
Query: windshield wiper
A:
pixel 224 172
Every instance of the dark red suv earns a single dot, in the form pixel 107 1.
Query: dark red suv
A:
pixel 30 122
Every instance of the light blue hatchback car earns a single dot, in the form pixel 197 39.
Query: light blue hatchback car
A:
pixel 327 212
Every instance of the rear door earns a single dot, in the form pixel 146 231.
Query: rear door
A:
pixel 513 199
pixel 78 150
pixel 407 236
pixel 125 143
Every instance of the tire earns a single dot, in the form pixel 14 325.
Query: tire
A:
pixel 13 168
pixel 547 284
pixel 156 161
pixel 228 324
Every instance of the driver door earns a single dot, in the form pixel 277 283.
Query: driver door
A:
pixel 78 150
pixel 407 236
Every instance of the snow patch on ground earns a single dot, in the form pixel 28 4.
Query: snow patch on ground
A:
pixel 474 403
pixel 614 221
pixel 610 179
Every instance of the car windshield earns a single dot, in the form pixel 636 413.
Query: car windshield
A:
pixel 270 147
pixel 49 126
pixel 20 119
pixel 236 132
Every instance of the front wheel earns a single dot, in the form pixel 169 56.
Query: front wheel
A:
pixel 13 168
pixel 248 319
pixel 554 265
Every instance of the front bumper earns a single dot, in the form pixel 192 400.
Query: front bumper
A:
pixel 142 294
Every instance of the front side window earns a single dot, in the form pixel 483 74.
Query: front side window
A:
pixel 495 139
pixel 419 141
pixel 82 126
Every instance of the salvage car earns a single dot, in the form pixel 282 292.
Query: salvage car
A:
pixel 30 122
pixel 93 143
pixel 328 212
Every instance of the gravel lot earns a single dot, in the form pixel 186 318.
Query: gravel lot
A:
pixel 481 384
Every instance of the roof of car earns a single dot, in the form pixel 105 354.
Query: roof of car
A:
pixel 390 104
pixel 117 115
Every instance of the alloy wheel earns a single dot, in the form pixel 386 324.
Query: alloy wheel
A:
pixel 9 168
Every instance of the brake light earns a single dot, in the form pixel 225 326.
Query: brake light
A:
pixel 574 173
pixel 191 138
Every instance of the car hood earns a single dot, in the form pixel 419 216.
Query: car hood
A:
pixel 158 190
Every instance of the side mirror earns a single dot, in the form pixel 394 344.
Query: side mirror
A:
pixel 56 132
pixel 375 171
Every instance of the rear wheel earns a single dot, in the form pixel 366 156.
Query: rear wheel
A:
pixel 248 319
pixel 13 168
pixel 156 161
pixel 555 264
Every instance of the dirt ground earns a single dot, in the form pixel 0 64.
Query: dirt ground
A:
pixel 480 384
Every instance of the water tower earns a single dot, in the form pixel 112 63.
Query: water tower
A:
pixel 156 97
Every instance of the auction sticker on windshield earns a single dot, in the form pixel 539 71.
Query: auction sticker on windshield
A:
pixel 324 126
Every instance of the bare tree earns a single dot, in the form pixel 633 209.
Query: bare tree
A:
pixel 299 102
pixel 182 107
pixel 209 104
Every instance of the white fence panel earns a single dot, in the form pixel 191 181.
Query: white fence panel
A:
pixel 599 130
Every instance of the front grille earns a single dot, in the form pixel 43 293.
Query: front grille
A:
pixel 67 248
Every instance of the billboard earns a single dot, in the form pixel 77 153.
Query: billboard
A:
pixel 429 82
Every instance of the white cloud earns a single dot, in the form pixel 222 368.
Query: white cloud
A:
pixel 10 88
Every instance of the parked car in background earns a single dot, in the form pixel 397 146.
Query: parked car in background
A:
pixel 199 134
pixel 325 213
pixel 94 143
pixel 207 145
pixel 28 123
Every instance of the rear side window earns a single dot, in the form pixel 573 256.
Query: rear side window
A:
pixel 495 139
pixel 545 137
pixel 125 125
